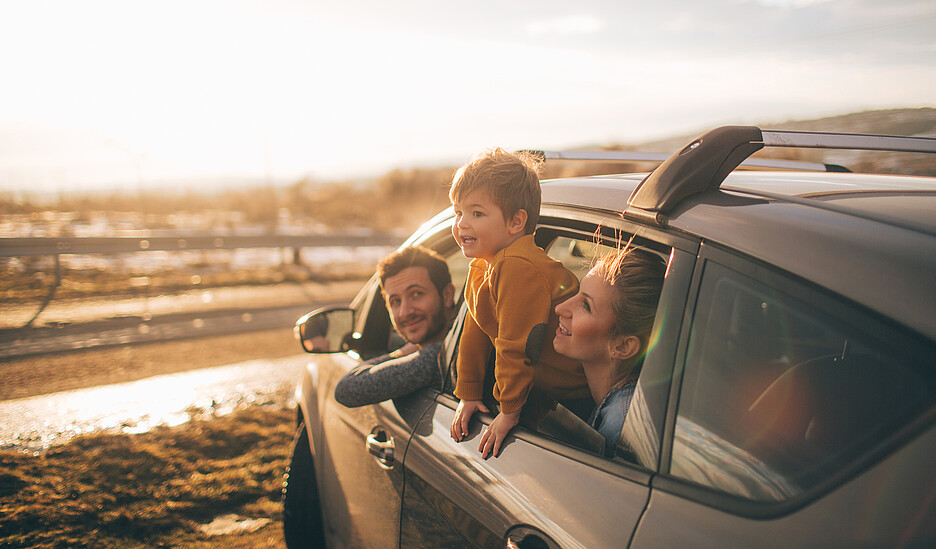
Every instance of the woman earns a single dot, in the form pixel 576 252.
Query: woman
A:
pixel 607 327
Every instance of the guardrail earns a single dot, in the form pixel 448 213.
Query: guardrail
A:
pixel 37 246
pixel 56 247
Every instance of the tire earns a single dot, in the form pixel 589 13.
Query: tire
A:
pixel 302 516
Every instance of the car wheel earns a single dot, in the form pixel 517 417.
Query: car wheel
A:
pixel 302 517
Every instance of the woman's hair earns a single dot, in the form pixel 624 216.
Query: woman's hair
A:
pixel 636 279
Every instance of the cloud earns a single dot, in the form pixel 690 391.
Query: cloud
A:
pixel 572 25
pixel 790 3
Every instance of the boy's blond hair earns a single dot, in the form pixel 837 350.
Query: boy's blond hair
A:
pixel 510 180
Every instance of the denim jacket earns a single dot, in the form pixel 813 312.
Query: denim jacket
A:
pixel 608 417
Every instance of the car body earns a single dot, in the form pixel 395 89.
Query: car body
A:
pixel 788 399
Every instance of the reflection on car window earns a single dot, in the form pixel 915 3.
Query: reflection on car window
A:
pixel 777 396
pixel 575 254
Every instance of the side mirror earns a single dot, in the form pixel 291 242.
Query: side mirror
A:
pixel 325 330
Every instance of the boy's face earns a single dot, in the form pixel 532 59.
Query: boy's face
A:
pixel 480 228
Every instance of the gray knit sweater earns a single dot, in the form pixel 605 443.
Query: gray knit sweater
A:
pixel 383 378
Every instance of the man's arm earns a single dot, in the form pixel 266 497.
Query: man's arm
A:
pixel 371 383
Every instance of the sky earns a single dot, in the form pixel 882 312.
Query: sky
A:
pixel 132 94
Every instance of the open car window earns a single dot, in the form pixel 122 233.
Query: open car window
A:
pixel 578 253
pixel 542 414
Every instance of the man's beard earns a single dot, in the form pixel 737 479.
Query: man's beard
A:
pixel 436 326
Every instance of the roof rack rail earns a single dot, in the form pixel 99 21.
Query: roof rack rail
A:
pixel 707 160
pixel 659 158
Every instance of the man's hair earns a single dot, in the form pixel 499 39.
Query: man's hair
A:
pixel 415 256
pixel 510 180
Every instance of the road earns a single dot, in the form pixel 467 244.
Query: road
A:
pixel 169 340
pixel 67 325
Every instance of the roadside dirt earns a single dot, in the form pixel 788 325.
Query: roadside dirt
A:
pixel 169 487
pixel 178 477
pixel 155 489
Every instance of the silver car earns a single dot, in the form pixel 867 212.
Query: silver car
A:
pixel 788 399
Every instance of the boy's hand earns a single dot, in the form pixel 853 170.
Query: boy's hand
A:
pixel 495 434
pixel 466 409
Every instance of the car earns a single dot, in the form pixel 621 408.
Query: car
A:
pixel 788 398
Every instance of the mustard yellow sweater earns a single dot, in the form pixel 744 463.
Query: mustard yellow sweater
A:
pixel 511 305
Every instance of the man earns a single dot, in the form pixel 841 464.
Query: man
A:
pixel 417 288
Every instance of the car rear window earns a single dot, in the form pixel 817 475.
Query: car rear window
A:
pixel 778 396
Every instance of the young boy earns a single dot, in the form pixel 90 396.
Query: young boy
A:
pixel 512 290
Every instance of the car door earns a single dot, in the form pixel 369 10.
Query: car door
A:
pixel 361 480
pixel 537 488
pixel 363 447
pixel 800 420
pixel 550 487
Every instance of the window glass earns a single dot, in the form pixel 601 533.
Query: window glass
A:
pixel 458 267
pixel 777 396
pixel 577 255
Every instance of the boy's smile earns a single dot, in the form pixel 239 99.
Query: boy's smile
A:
pixel 480 228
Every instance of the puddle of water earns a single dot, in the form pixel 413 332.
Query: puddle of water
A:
pixel 35 423
pixel 233 524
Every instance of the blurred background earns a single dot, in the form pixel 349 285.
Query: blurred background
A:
pixel 242 162
pixel 299 117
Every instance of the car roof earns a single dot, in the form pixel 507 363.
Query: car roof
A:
pixel 900 199
pixel 870 238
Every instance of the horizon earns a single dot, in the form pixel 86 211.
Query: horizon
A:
pixel 106 95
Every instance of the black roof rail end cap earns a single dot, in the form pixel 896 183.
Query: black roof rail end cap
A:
pixel 699 166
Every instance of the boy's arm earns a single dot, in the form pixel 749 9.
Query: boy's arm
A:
pixel 474 348
pixel 523 306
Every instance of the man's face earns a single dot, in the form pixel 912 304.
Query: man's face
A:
pixel 415 305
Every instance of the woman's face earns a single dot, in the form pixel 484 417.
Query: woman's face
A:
pixel 585 322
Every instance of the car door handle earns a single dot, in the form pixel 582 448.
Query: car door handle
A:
pixel 380 445
pixel 528 537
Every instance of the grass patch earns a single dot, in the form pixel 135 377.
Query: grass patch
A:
pixel 148 490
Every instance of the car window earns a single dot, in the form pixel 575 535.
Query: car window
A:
pixel 576 254
pixel 569 424
pixel 542 414
pixel 458 267
pixel 778 396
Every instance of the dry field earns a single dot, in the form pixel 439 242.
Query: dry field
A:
pixel 156 489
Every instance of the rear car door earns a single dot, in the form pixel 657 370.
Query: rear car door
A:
pixel 550 487
pixel 797 419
